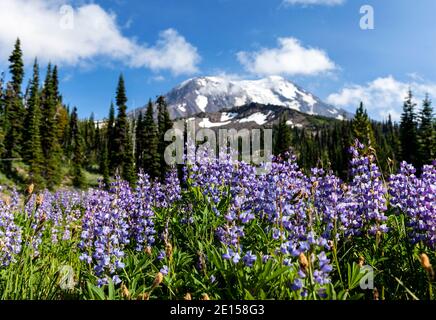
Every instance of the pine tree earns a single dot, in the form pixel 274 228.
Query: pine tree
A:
pixel 77 171
pixel 164 124
pixel 362 129
pixel 139 139
pixel 283 137
pixel 16 67
pixel 55 83
pixel 110 136
pixel 408 131
pixel 151 163
pixel 14 108
pixel 32 140
pixel 104 165
pixel 426 133
pixel 49 133
pixel 123 142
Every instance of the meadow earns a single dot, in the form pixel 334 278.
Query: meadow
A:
pixel 215 229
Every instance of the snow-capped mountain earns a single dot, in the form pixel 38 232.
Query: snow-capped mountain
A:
pixel 255 115
pixel 213 94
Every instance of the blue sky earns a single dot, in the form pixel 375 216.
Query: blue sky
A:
pixel 157 44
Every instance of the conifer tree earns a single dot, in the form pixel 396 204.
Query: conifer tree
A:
pixel 362 129
pixel 123 142
pixel 151 158
pixel 426 133
pixel 16 67
pixel 283 137
pixel 110 137
pixel 139 139
pixel 49 133
pixel 408 131
pixel 14 108
pixel 104 165
pixel 32 140
pixel 77 172
pixel 164 124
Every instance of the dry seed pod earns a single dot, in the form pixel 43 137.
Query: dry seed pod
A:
pixel 361 261
pixel 169 250
pixel 375 294
pixel 158 279
pixel 125 292
pixel 148 251
pixel 188 296
pixel 143 296
pixel 425 262
pixel 304 263
pixel 30 188
pixel 39 199
pixel 205 296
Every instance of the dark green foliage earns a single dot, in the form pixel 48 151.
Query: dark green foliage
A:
pixel 139 139
pixel 151 157
pixel 408 131
pixel 123 153
pixel 50 142
pixel 283 137
pixel 362 129
pixel 16 68
pixel 13 106
pixel 77 147
pixel 110 135
pixel 426 133
pixel 32 139
pixel 164 124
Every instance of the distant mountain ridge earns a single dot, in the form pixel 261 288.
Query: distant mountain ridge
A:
pixel 213 94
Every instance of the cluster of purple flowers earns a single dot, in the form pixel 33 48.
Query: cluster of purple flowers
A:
pixel 105 230
pixel 303 215
pixel 417 198
pixel 10 233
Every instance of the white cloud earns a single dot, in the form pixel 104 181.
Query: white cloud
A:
pixel 382 96
pixel 53 32
pixel 314 2
pixel 289 58
pixel 171 52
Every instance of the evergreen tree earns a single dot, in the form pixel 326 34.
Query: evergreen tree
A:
pixel 151 159
pixel 32 140
pixel 362 129
pixel 123 142
pixel 104 165
pixel 426 133
pixel 77 171
pixel 55 83
pixel 164 124
pixel 14 108
pixel 139 139
pixel 16 68
pixel 408 131
pixel 283 137
pixel 110 136
pixel 49 133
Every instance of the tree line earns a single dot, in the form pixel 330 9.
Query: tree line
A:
pixel 412 140
pixel 39 131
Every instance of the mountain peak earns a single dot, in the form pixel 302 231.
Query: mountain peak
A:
pixel 213 94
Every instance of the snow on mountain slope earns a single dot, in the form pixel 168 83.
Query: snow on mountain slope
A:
pixel 213 94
